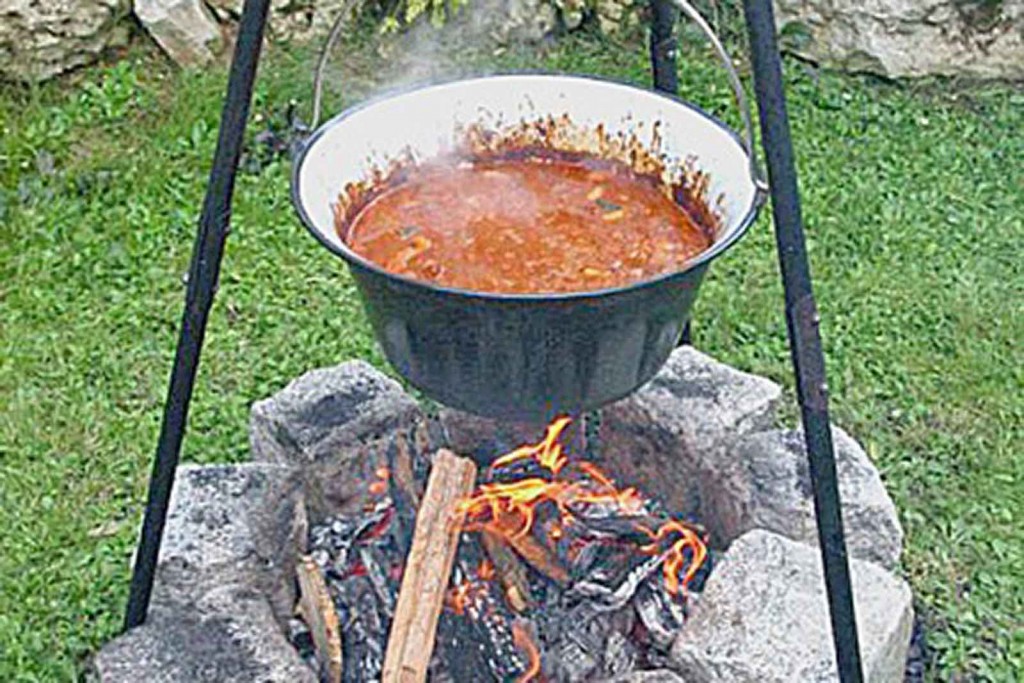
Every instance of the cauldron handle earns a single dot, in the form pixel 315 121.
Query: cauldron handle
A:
pixel 689 10
pixel 738 93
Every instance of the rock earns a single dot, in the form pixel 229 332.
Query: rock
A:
pixel 228 636
pixel 232 524
pixel 40 39
pixel 653 676
pixel 767 485
pixel 908 38
pixel 614 15
pixel 763 617
pixel 328 410
pixel 337 426
pixel 288 20
pixel 508 21
pixel 672 435
pixel 185 29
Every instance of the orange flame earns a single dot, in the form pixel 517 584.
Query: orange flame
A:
pixel 380 486
pixel 675 560
pixel 509 508
pixel 457 598
pixel 523 642
pixel 548 452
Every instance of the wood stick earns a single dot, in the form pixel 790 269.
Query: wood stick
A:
pixel 533 552
pixel 427 570
pixel 510 570
pixel 317 609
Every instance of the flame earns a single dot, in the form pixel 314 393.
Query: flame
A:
pixel 509 508
pixel 523 642
pixel 458 597
pixel 675 559
pixel 548 452
pixel 380 486
pixel 486 570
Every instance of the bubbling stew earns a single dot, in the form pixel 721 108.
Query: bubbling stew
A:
pixel 526 224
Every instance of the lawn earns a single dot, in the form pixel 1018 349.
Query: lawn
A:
pixel 914 203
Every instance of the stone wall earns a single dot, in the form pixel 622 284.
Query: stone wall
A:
pixel 909 38
pixel 42 38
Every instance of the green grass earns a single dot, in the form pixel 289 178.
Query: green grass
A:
pixel 913 202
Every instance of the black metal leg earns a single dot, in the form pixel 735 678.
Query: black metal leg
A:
pixel 202 284
pixel 663 49
pixel 804 337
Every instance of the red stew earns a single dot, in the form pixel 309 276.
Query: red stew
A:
pixel 527 225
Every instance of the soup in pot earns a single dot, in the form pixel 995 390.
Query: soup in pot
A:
pixel 526 224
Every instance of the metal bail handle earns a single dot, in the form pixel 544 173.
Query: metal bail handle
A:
pixel 689 10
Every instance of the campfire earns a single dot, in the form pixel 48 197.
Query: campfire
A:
pixel 538 567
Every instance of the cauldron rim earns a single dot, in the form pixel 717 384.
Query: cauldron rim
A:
pixel 341 249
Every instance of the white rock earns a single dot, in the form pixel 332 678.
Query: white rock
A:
pixel 763 618
pixel 766 485
pixel 42 38
pixel 185 29
pixel 899 38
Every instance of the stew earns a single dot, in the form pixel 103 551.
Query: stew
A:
pixel 535 224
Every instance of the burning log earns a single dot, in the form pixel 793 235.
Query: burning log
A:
pixel 533 552
pixel 317 610
pixel 427 570
pixel 509 569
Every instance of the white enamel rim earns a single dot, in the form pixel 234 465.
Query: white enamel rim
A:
pixel 424 119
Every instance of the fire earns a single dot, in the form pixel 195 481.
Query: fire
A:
pixel 510 508
pixel 525 644
pixel 380 486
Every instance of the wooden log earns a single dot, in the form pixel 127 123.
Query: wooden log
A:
pixel 317 609
pixel 509 569
pixel 427 570
pixel 533 552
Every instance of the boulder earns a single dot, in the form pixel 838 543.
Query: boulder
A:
pixel 766 484
pixel 40 39
pixel 228 636
pixel 908 38
pixel 337 426
pixel 763 618
pixel 327 410
pixel 672 436
pixel 652 676
pixel 242 524
pixel 185 29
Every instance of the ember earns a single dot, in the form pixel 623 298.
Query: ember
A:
pixel 559 574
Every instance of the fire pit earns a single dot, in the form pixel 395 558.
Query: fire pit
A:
pixel 578 557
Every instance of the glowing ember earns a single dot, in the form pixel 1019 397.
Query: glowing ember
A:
pixel 524 643
pixel 572 491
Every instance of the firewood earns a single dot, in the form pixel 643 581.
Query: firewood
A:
pixel 509 569
pixel 533 552
pixel 427 570
pixel 317 610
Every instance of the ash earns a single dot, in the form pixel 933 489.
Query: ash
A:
pixel 581 582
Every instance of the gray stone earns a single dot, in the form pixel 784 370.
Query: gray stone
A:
pixel 242 524
pixel 43 38
pixel 229 635
pixel 763 617
pixel 767 485
pixel 652 676
pixel 185 29
pixel 328 410
pixel 508 21
pixel 287 19
pixel 337 426
pixel 672 435
pixel 908 38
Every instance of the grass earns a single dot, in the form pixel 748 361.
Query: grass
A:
pixel 915 220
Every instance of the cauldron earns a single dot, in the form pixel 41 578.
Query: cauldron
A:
pixel 527 357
